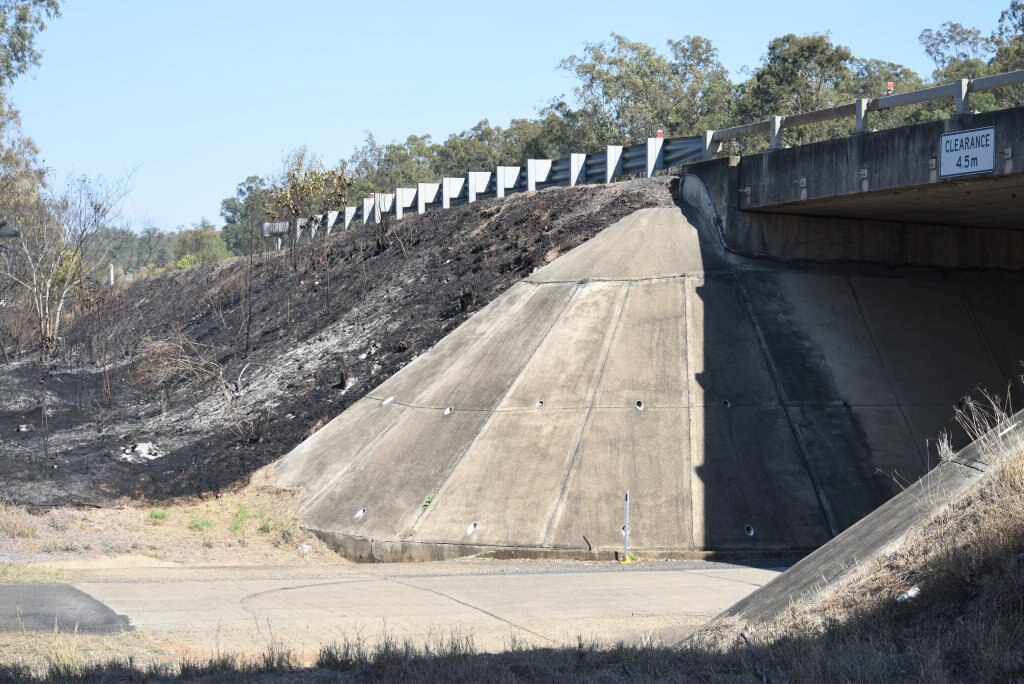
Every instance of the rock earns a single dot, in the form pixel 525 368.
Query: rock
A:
pixel 304 549
pixel 26 428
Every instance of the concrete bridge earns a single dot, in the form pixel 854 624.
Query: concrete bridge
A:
pixel 892 197
pixel 760 368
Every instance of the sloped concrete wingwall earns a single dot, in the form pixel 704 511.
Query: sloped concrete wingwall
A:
pixel 750 407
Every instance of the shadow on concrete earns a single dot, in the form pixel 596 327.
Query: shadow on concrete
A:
pixel 821 390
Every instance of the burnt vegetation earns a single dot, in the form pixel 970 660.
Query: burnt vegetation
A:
pixel 229 365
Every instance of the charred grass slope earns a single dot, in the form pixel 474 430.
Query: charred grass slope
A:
pixel 178 361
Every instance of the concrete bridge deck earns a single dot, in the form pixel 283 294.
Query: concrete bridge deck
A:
pixel 883 197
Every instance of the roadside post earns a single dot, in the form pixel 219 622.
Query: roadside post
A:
pixel 625 529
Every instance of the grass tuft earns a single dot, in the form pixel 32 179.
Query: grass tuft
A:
pixel 200 522
pixel 157 516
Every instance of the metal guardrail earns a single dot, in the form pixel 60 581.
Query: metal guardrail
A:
pixel 617 161
pixel 958 90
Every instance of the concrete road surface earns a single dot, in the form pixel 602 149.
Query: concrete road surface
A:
pixel 497 603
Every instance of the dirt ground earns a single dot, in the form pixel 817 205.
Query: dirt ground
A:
pixel 177 361
pixel 252 525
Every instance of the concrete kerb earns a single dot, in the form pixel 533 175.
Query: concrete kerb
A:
pixel 875 535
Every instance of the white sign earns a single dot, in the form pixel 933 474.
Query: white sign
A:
pixel 967 152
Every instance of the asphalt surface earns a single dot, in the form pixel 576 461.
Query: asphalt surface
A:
pixel 61 607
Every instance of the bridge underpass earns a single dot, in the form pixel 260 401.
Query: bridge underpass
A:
pixel 882 197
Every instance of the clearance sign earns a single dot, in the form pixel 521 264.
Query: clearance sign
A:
pixel 967 152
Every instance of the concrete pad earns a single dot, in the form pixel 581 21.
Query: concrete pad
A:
pixel 904 316
pixel 651 243
pixel 647 360
pixel 813 320
pixel 645 452
pixel 565 370
pixel 247 610
pixel 508 482
pixel 737 484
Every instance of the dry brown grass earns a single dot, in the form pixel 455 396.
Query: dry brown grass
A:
pixel 967 623
pixel 254 525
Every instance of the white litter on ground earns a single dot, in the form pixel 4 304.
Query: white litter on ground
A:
pixel 140 453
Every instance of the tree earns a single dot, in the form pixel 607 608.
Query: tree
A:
pixel 626 89
pixel 799 74
pixel 957 51
pixel 305 189
pixel 200 244
pixel 382 168
pixel 707 97
pixel 870 79
pixel 20 21
pixel 1008 40
pixel 49 261
pixel 243 215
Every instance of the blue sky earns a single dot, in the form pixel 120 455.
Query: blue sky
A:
pixel 192 97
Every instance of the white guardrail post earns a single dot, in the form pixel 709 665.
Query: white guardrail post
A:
pixel 426 194
pixel 350 213
pixel 613 165
pixel 383 202
pixel 577 169
pixel 405 198
pixel 507 178
pixel 537 171
pixel 655 161
pixel 451 188
pixel 478 182
pixel 370 210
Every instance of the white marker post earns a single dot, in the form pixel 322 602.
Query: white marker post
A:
pixel 625 542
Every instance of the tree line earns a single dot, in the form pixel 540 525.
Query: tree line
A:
pixel 624 92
